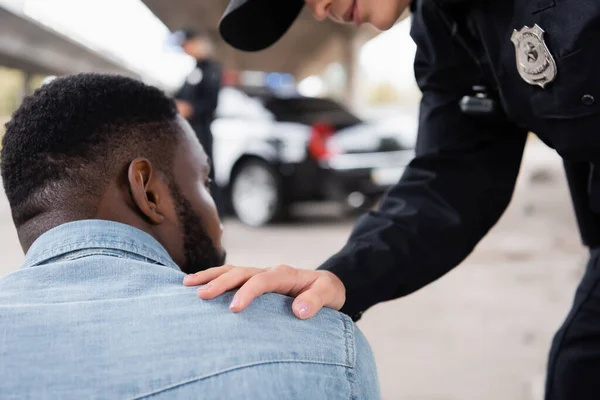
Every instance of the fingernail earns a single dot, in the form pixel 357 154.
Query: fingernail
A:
pixel 204 287
pixel 303 309
pixel 235 303
pixel 187 278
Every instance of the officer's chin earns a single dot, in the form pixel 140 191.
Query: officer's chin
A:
pixel 388 23
pixel 385 24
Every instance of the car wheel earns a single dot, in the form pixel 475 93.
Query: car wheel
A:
pixel 256 194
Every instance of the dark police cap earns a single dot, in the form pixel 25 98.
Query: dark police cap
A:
pixel 253 25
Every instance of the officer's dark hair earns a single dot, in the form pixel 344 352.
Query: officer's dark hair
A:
pixel 72 135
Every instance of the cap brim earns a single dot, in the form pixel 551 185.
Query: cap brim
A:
pixel 253 25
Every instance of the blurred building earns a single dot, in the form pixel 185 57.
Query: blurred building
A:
pixel 30 51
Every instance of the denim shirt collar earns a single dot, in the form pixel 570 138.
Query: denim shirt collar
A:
pixel 96 234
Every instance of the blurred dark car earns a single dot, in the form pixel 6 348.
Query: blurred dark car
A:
pixel 272 151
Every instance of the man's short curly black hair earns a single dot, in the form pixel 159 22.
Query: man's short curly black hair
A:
pixel 71 136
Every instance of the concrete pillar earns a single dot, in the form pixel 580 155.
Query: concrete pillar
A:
pixel 26 89
pixel 349 62
pixel 351 46
pixel 328 52
pixel 228 56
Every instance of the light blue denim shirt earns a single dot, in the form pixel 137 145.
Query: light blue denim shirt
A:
pixel 98 311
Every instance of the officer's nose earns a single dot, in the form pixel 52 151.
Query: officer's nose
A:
pixel 320 8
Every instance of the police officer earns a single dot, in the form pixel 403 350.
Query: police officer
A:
pixel 490 72
pixel 198 97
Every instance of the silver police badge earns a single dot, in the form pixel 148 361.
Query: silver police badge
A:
pixel 534 61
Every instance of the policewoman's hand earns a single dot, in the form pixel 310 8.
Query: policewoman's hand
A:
pixel 312 289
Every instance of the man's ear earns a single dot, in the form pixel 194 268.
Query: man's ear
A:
pixel 143 187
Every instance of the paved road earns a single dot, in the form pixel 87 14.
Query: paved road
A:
pixel 481 332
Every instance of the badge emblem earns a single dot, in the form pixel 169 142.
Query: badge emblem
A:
pixel 534 61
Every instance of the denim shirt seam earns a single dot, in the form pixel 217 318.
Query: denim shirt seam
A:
pixel 350 352
pixel 92 251
pixel 101 251
pixel 144 251
pixel 232 369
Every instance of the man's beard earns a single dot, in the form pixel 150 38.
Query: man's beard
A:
pixel 199 250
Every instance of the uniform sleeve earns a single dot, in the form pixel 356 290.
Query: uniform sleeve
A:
pixel 206 93
pixel 451 194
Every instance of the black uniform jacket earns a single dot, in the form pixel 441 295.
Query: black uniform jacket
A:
pixel 464 173
pixel 201 90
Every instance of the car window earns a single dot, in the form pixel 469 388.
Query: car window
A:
pixel 309 111
pixel 236 104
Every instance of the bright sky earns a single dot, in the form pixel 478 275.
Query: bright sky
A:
pixel 390 57
pixel 128 31
pixel 124 29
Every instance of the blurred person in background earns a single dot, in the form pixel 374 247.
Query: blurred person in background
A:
pixel 490 72
pixel 197 99
pixel 108 189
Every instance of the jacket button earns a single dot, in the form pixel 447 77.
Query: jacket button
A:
pixel 588 99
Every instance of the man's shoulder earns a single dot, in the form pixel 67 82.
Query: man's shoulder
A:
pixel 268 319
pixel 267 326
pixel 152 301
pixel 162 328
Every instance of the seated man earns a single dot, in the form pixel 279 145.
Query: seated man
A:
pixel 108 191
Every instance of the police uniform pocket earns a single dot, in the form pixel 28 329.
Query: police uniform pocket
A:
pixel 575 92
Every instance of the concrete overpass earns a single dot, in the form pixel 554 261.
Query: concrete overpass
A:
pixel 305 50
pixel 35 49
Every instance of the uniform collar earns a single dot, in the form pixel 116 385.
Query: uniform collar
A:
pixel 96 234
